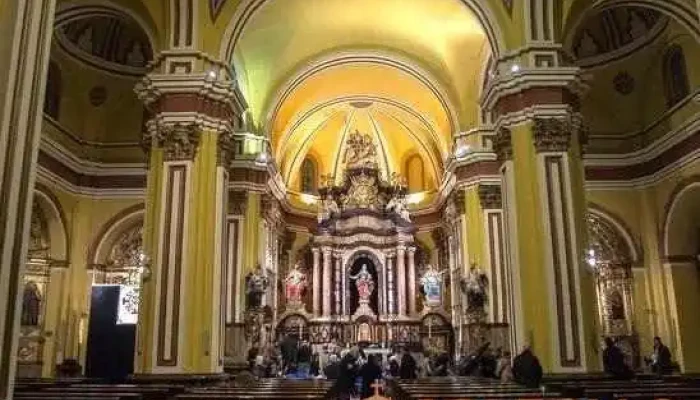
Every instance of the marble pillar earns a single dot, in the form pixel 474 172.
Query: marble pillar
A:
pixel 412 281
pixel 327 284
pixel 336 279
pixel 391 290
pixel 401 279
pixel 26 28
pixel 316 281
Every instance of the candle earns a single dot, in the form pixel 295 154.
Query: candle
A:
pixel 300 332
pixel 430 328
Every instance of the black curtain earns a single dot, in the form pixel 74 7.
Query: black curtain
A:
pixel 110 351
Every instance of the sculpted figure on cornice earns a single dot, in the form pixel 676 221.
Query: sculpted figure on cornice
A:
pixel 397 205
pixel 360 151
pixel 328 208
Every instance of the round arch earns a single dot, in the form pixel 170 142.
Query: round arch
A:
pixel 336 59
pixel 679 10
pixel 56 220
pixel 681 228
pixel 127 219
pixel 615 224
pixel 68 12
pixel 247 8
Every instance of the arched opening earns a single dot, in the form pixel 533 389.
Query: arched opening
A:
pixel 681 244
pixel 415 174
pixel 610 255
pixel 118 266
pixel 309 176
pixel 47 254
pixel 675 76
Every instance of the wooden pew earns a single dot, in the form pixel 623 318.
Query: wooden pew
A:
pixel 464 388
pixel 263 389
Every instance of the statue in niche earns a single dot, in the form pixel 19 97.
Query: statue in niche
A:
pixel 364 283
pixel 328 209
pixel 360 151
pixel 616 304
pixel 294 285
pixel 475 286
pixel 135 56
pixel 31 304
pixel 85 40
pixel 431 283
pixel 256 285
pixel 587 47
pixel 397 204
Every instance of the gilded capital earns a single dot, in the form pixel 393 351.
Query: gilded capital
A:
pixel 552 134
pixel 503 145
pixel 490 197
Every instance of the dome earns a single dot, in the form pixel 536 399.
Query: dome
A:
pixel 110 42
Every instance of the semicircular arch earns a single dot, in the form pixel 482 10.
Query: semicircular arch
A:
pixel 121 223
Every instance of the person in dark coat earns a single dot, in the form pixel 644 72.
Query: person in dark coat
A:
pixel 661 359
pixel 614 361
pixel 408 367
pixel 370 372
pixel 394 366
pixel 344 386
pixel 332 369
pixel 527 370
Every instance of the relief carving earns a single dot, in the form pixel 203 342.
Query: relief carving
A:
pixel 180 142
pixel 503 145
pixel 552 134
pixel 490 197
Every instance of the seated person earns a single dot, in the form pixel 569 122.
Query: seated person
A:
pixel 661 358
pixel 614 361
pixel 527 369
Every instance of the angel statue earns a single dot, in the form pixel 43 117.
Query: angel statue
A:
pixel 397 204
pixel 364 283
pixel 256 284
pixel 431 282
pixel 328 209
pixel 475 286
pixel 295 285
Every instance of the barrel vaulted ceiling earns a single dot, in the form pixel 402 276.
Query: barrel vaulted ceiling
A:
pixel 407 74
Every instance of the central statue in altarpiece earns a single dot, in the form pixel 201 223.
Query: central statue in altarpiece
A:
pixel 365 276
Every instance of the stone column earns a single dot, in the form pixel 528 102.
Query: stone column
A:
pixel 491 208
pixel 327 284
pixel 26 28
pixel 190 146
pixel 545 161
pixel 401 278
pixel 391 297
pixel 412 281
pixel 316 280
pixel 337 278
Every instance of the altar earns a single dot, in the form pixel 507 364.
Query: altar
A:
pixel 366 283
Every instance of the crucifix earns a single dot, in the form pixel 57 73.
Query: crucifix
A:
pixel 377 386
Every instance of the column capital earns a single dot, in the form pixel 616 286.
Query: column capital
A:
pixel 503 145
pixel 490 197
pixel 315 250
pixel 178 140
pixel 238 202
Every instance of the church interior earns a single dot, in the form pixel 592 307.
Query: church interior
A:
pixel 186 180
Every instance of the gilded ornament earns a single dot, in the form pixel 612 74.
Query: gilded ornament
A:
pixel 552 134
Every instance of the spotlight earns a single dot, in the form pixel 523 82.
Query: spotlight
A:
pixel 211 74
pixel 515 68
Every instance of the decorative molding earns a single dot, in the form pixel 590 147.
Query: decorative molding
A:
pixel 551 135
pixel 490 197
pixel 215 7
pixel 503 145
